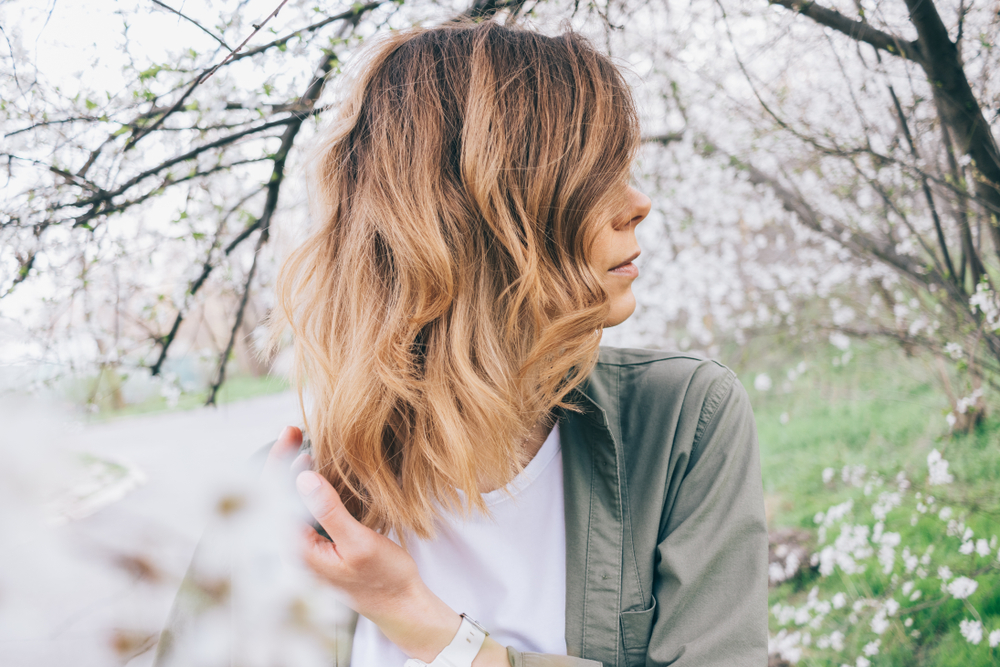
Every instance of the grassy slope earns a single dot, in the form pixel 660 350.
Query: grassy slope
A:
pixel 236 388
pixel 885 411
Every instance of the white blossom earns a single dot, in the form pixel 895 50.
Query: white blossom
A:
pixel 827 475
pixel 994 639
pixel 886 502
pixel 971 630
pixel 962 587
pixel 786 645
pixel 879 622
pixel 982 548
pixel 871 648
pixel 937 469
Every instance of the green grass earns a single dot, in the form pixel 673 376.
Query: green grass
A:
pixel 236 388
pixel 885 411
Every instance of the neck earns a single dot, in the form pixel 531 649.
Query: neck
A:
pixel 536 438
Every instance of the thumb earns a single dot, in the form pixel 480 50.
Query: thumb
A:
pixel 325 505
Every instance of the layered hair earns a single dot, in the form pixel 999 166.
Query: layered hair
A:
pixel 445 301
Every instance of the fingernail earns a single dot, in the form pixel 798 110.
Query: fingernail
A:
pixel 285 433
pixel 307 482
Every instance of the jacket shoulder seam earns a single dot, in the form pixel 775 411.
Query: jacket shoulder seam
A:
pixel 710 408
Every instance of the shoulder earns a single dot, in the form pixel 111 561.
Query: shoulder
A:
pixel 669 394
pixel 658 375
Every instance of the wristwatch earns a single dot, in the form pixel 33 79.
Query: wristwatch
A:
pixel 462 650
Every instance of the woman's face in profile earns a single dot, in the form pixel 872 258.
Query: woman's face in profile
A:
pixel 614 250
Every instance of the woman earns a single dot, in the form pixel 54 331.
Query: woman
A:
pixel 476 232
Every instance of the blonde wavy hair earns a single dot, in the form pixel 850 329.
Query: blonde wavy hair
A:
pixel 445 301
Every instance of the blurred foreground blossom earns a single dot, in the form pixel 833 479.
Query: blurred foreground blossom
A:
pixel 99 523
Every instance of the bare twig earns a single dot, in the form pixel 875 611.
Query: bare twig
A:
pixel 184 157
pixel 108 209
pixel 663 139
pixel 13 60
pixel 262 223
pixel 195 286
pixel 220 375
pixel 281 41
pixel 25 263
pixel 905 127
pixel 257 27
pixel 193 22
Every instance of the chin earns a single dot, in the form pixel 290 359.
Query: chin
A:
pixel 621 309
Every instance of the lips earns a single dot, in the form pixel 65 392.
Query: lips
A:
pixel 627 262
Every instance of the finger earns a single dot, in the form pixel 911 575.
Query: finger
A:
pixel 324 503
pixel 302 462
pixel 283 449
pixel 316 550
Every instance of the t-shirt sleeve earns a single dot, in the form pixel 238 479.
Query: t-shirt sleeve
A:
pixel 710 584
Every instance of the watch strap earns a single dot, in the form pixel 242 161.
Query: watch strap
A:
pixel 462 650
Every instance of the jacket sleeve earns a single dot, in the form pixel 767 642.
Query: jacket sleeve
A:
pixel 710 581
pixel 519 659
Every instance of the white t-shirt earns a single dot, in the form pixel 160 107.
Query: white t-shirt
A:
pixel 508 572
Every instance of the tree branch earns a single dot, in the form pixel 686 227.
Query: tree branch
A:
pixel 194 152
pixel 195 286
pixel 959 107
pixel 281 41
pixel 859 243
pixel 926 188
pixel 193 22
pixel 663 139
pixel 220 376
pixel 257 27
pixel 263 223
pixel 352 14
pixel 856 30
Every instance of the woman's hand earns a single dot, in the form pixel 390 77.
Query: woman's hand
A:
pixel 378 577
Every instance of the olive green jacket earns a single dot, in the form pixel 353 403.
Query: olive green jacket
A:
pixel 666 541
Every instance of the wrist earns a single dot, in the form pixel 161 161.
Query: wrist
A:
pixel 421 626
pixel 492 654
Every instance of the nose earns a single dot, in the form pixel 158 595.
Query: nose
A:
pixel 639 204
